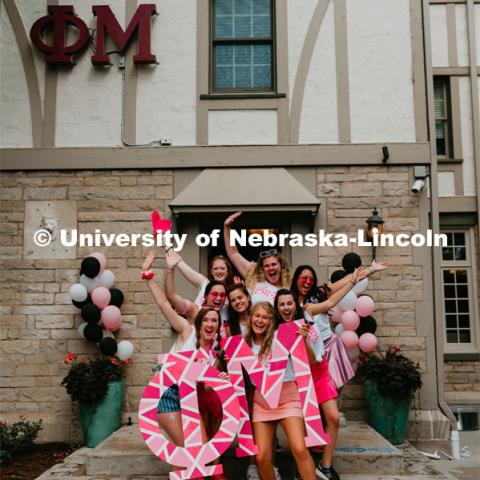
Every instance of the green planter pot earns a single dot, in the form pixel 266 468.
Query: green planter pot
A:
pixel 387 415
pixel 101 420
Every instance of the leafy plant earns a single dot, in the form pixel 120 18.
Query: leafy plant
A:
pixel 19 435
pixel 88 381
pixel 395 374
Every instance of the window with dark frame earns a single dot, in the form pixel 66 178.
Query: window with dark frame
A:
pixel 443 127
pixel 242 50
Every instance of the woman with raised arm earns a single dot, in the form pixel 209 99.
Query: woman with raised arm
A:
pixel 204 333
pixel 263 277
pixel 260 336
pixel 215 293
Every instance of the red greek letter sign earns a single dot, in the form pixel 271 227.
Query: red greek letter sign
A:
pixel 62 16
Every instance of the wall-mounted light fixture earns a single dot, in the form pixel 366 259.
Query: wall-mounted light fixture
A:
pixel 374 227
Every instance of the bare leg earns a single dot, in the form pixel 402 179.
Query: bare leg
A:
pixel 332 420
pixel 294 428
pixel 171 424
pixel 264 433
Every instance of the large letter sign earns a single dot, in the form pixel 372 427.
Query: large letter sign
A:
pixel 182 369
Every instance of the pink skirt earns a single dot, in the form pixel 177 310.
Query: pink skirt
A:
pixel 339 365
pixel 289 405
pixel 324 386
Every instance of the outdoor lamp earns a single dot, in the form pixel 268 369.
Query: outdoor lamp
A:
pixel 374 226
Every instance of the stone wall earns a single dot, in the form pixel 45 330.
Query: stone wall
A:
pixel 39 323
pixel 462 376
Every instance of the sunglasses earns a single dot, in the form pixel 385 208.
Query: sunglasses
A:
pixel 268 253
pixel 306 279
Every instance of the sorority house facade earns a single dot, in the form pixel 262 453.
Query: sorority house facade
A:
pixel 304 114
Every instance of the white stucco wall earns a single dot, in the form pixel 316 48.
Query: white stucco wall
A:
pixel 438 29
pixel 446 184
pixel 236 127
pixel 319 120
pixel 380 70
pixel 469 178
pixel 462 35
pixel 166 94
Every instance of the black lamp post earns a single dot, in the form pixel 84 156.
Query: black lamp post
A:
pixel 375 227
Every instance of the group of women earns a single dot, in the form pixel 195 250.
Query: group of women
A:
pixel 254 303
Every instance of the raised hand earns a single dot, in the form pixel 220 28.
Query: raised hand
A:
pixel 378 266
pixel 172 258
pixel 228 222
pixel 147 264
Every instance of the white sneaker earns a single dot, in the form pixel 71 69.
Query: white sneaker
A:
pixel 252 473
pixel 277 474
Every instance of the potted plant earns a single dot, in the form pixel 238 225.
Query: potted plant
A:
pixel 390 381
pixel 97 385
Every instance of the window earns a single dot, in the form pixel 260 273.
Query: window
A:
pixel 443 126
pixel 242 46
pixel 459 289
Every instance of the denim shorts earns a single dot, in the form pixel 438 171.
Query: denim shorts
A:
pixel 170 401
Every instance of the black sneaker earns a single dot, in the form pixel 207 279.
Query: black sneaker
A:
pixel 326 473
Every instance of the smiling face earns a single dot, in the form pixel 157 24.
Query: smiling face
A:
pixel 216 297
pixel 305 282
pixel 209 327
pixel 238 300
pixel 219 270
pixel 286 307
pixel 273 270
pixel 260 322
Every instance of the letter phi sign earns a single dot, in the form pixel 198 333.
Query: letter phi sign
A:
pixel 61 16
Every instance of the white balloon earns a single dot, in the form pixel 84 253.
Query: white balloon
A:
pixel 125 350
pixel 106 279
pixel 81 328
pixel 78 292
pixel 354 354
pixel 89 283
pixel 348 301
pixel 361 286
pixel 339 329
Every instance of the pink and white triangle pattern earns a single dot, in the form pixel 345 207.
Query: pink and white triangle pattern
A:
pixel 182 368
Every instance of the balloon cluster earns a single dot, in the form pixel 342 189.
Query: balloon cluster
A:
pixel 356 327
pixel 100 306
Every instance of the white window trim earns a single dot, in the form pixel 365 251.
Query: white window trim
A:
pixel 468 264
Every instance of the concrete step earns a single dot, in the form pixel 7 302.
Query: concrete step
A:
pixel 360 450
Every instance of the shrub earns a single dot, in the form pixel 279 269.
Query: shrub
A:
pixel 17 436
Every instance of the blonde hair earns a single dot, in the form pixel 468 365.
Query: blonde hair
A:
pixel 256 274
pixel 267 342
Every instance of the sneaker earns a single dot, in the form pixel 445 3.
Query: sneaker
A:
pixel 343 420
pixel 277 474
pixel 252 473
pixel 326 473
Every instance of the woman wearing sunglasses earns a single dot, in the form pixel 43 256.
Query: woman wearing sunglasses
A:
pixel 263 277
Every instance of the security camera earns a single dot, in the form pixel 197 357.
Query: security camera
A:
pixel 418 185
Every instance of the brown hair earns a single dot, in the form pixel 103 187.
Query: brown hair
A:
pixel 219 257
pixel 267 342
pixel 197 323
pixel 255 273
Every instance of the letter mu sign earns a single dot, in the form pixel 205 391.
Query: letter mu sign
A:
pixel 61 16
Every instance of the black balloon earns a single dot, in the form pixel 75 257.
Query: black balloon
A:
pixel 82 304
pixel 91 313
pixel 108 346
pixel 338 275
pixel 90 267
pixel 367 325
pixel 351 261
pixel 116 297
pixel 93 333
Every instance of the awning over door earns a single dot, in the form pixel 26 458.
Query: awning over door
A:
pixel 247 189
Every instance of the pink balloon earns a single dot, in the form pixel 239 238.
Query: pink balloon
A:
pixel 349 339
pixel 350 320
pixel 101 297
pixel 336 314
pixel 111 318
pixel 101 258
pixel 367 342
pixel 364 306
